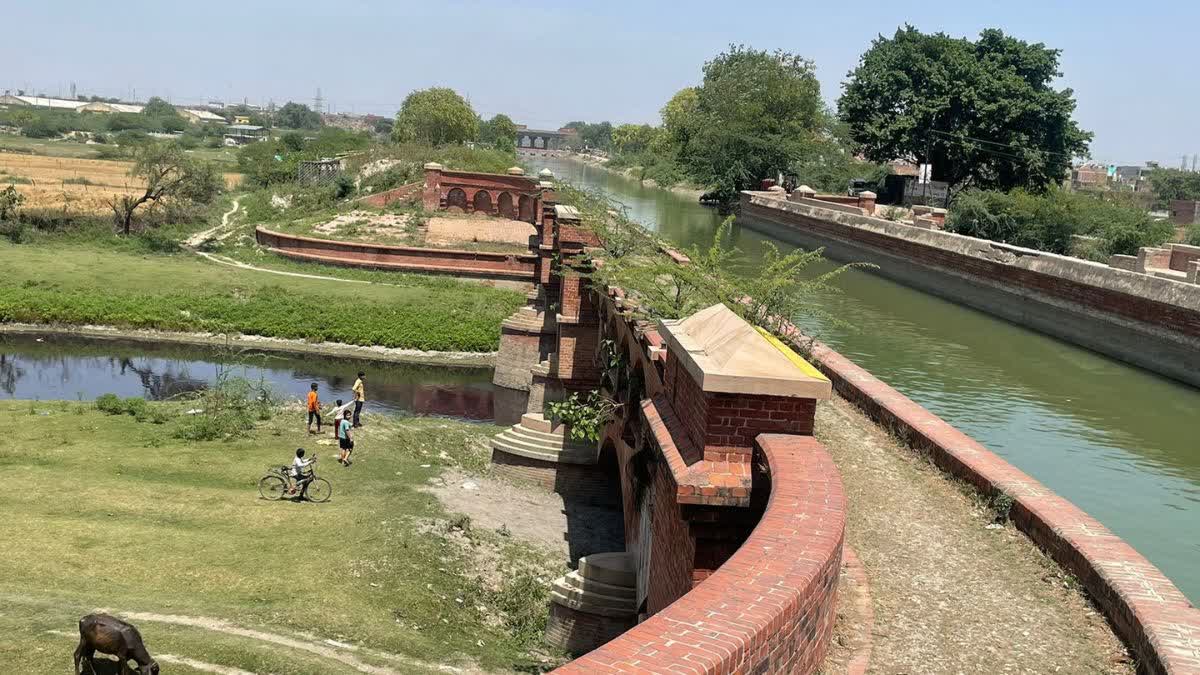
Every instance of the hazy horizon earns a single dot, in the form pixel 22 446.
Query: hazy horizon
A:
pixel 547 65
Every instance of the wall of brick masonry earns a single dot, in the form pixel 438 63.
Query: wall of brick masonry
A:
pixel 1148 321
pixel 476 264
pixel 1146 609
pixel 576 630
pixel 770 607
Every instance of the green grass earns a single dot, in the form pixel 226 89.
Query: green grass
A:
pixel 68 283
pixel 102 511
pixel 226 157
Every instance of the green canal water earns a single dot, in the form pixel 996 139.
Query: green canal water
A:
pixel 1119 442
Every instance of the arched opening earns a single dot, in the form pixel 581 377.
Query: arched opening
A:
pixel 456 199
pixel 482 202
pixel 505 205
pixel 526 142
pixel 525 208
pixel 539 142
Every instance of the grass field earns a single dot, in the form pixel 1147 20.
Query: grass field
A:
pixel 12 144
pixel 72 184
pixel 77 284
pixel 102 511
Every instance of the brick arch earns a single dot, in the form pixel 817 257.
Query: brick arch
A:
pixel 504 203
pixel 525 209
pixel 456 198
pixel 482 201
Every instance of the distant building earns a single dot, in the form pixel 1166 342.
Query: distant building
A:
pixel 1184 211
pixel 41 102
pixel 244 134
pixel 196 116
pixel 1089 176
pixel 1135 177
pixel 241 119
pixel 102 107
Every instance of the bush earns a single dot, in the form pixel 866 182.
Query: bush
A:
pixel 228 409
pixel 1047 222
pixel 343 186
pixel 1193 235
pixel 134 406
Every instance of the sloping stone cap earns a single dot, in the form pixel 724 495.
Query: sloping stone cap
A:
pixel 565 212
pixel 726 354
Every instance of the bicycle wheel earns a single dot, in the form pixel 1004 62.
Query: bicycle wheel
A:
pixel 319 490
pixel 272 487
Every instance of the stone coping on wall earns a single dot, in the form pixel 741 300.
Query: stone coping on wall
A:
pixel 1148 612
pixel 771 606
pixel 1080 271
pixel 517 266
pixel 724 353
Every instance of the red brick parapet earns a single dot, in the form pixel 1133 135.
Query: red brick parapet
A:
pixel 484 264
pixel 1148 612
pixel 770 607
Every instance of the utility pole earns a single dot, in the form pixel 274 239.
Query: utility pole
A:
pixel 318 101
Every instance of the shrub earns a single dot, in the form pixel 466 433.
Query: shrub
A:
pixel 228 408
pixel 343 186
pixel 1047 222
pixel 1193 235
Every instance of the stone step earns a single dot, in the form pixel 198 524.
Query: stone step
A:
pixel 576 603
pixel 569 453
pixel 578 581
pixel 520 448
pixel 557 438
pixel 538 422
pixel 538 441
pixel 615 568
pixel 588 598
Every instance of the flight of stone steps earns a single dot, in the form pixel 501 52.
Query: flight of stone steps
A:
pixel 535 437
pixel 527 319
pixel 594 603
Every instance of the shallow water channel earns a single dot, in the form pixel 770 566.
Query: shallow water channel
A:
pixel 1120 442
pixel 53 367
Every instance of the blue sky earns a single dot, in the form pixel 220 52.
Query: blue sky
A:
pixel 1132 65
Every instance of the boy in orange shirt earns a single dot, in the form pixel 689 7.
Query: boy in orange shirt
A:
pixel 314 409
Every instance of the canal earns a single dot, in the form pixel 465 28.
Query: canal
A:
pixel 51 367
pixel 1119 442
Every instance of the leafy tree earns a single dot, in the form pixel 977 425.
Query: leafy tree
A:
pixel 292 140
pixel 499 127
pixel 297 116
pixel 10 201
pixel 383 126
pixel 753 110
pixel 984 112
pixel 633 138
pixel 597 135
pixel 1169 184
pixel 169 174
pixel 256 118
pixel 679 117
pixel 157 107
pixel 435 116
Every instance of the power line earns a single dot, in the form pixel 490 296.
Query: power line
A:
pixel 963 137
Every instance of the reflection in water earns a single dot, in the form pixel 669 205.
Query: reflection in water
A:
pixel 1116 440
pixel 61 368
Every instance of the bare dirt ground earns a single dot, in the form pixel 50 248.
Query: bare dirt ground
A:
pixel 448 231
pixel 530 514
pixel 948 594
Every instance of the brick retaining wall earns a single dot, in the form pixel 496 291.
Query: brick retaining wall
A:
pixel 770 607
pixel 479 264
pixel 1148 612
pixel 1145 320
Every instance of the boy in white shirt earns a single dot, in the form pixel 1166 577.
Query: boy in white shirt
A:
pixel 301 472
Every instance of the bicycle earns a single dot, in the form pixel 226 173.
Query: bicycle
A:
pixel 279 483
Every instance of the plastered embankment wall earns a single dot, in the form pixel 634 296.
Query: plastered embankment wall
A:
pixel 1150 322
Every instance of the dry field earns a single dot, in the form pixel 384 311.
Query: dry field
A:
pixel 74 185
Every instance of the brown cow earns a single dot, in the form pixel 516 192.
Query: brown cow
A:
pixel 108 634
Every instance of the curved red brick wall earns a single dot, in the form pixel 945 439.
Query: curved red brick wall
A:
pixel 1147 610
pixel 770 607
pixel 483 264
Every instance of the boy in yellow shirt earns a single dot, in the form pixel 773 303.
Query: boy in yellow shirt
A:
pixel 360 397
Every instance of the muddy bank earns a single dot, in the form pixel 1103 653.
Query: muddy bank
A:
pixel 374 353
pixel 631 173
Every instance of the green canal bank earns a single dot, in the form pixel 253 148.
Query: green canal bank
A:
pixel 1117 441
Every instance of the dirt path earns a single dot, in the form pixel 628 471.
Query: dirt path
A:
pixel 329 649
pixel 947 593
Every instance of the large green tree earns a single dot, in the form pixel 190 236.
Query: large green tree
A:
pixel 679 118
pixel 500 128
pixel 753 113
pixel 983 112
pixel 169 174
pixel 1169 184
pixel 436 116
pixel 297 116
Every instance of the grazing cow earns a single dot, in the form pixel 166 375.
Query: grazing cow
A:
pixel 108 634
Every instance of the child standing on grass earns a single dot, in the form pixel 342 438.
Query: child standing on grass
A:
pixel 336 414
pixel 345 440
pixel 314 409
